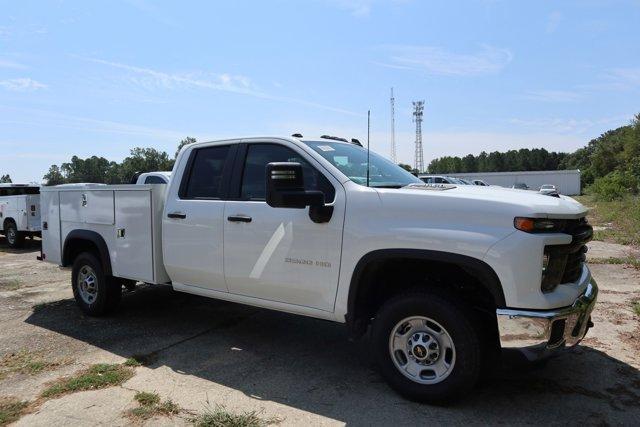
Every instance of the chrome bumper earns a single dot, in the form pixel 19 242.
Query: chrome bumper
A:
pixel 537 333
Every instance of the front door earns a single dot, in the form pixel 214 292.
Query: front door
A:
pixel 279 254
pixel 193 220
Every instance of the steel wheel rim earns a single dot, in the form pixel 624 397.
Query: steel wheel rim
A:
pixel 87 284
pixel 422 350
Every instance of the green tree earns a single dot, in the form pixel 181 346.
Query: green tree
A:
pixel 5 179
pixel 54 176
pixel 144 160
pixel 406 167
pixel 188 140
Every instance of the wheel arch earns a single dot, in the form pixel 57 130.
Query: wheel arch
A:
pixel 363 281
pixel 8 220
pixel 78 241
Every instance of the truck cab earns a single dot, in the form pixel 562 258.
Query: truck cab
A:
pixel 443 277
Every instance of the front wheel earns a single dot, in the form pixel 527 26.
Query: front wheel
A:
pixel 95 293
pixel 426 347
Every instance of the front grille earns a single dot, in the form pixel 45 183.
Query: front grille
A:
pixel 566 261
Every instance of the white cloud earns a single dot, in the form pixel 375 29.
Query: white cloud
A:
pixel 238 84
pixel 358 8
pixel 553 22
pixel 22 84
pixel 553 95
pixel 624 78
pixel 7 63
pixel 436 60
pixel 568 125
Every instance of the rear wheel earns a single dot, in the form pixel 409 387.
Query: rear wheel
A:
pixel 15 239
pixel 426 347
pixel 95 293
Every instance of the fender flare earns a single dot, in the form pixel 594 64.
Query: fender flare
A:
pixel 476 267
pixel 88 236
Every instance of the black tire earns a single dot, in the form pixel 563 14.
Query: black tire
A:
pixel 458 323
pixel 107 290
pixel 15 239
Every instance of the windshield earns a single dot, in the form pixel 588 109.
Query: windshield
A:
pixel 351 160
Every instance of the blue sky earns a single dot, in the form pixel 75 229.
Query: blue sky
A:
pixel 98 78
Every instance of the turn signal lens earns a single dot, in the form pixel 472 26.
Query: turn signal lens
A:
pixel 536 225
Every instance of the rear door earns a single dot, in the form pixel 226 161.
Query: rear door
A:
pixel 192 225
pixel 279 254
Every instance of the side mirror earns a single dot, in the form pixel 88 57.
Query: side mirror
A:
pixel 285 189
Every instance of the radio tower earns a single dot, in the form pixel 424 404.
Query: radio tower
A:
pixel 418 109
pixel 393 128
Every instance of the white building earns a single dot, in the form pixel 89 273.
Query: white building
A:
pixel 566 181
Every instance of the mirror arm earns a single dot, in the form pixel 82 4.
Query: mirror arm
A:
pixel 320 213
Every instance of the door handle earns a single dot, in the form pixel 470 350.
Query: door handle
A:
pixel 239 218
pixel 177 215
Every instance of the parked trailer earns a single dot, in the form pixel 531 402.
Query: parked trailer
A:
pixel 566 181
pixel 19 212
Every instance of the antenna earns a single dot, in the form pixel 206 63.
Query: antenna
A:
pixel 368 132
pixel 418 109
pixel 393 128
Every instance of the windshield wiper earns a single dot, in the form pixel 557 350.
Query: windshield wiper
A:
pixel 387 186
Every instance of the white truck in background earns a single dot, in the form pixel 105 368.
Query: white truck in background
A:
pixel 19 212
pixel 152 178
pixel 443 276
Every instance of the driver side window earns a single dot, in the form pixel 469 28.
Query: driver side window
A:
pixel 254 174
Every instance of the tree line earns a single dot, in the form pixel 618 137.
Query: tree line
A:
pixel 100 170
pixel 610 163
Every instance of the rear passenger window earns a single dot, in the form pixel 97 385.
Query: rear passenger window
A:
pixel 205 179
pixel 154 180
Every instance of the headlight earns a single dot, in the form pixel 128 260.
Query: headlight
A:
pixel 538 225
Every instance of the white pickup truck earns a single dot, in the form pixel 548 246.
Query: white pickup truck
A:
pixel 443 276
pixel 19 212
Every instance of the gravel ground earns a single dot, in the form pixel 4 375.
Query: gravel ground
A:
pixel 201 353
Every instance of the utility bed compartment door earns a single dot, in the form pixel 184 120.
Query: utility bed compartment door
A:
pixel 133 250
pixel 89 206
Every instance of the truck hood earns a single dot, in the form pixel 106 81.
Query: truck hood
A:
pixel 487 199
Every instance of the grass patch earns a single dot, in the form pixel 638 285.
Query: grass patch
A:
pixel 11 409
pixel 95 377
pixel 220 417
pixel 132 362
pixel 620 217
pixel 10 284
pixel 636 307
pixel 632 261
pixel 151 406
pixel 27 362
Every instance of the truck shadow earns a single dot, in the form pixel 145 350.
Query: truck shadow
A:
pixel 310 365
pixel 30 245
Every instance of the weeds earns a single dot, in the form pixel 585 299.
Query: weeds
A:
pixel 27 362
pixel 10 284
pixel 621 218
pixel 11 409
pixel 220 417
pixel 636 307
pixel 151 406
pixel 95 377
pixel 132 362
pixel 632 261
